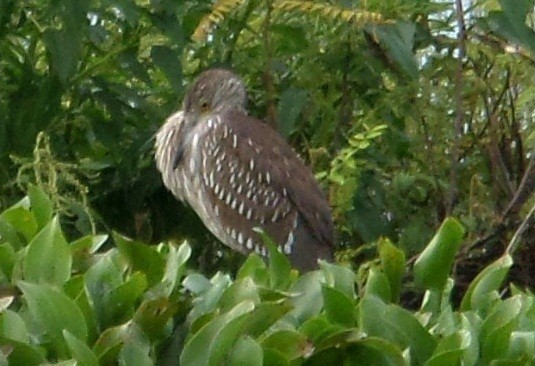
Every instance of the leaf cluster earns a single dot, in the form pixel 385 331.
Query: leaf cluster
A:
pixel 80 303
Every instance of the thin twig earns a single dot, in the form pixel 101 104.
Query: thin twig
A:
pixel 515 240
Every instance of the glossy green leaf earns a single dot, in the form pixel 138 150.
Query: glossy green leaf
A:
pixel 246 351
pixel 482 291
pixel 396 325
pixel 378 285
pixel 265 315
pixel 100 280
pixel 433 266
pixel 291 344
pixel 12 327
pixel 339 277
pixel 24 354
pixel 21 220
pixel 308 301
pixel 48 258
pixel 209 299
pixel 141 257
pixel 393 263
pixel 239 291
pixel 135 354
pixel 54 312
pixel 7 258
pixel 279 265
pixel 8 234
pixel 175 266
pixel 122 299
pixel 210 344
pixel 496 329
pixel 338 307
pixel 255 268
pixel 80 351
pixel 41 206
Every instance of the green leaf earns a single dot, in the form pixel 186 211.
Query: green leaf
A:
pixel 433 266
pixel 511 22
pixel 377 284
pixel 8 234
pixel 64 48
pixel 82 251
pixel 48 258
pixel 12 327
pixel 309 299
pixel 396 325
pixel 339 308
pixel 393 262
pixel 100 280
pixel 209 345
pixel 80 351
pixel 54 312
pixel 122 299
pixel 169 61
pixel 291 344
pixel 153 316
pixel 264 316
pixel 239 291
pixel 339 277
pixel 174 269
pixel 246 351
pixel 22 221
pixel 398 40
pixel 496 329
pixel 482 291
pixel 135 354
pixel 41 205
pixel 291 102
pixel 141 257
pixel 24 354
pixel 279 265
pixel 255 268
pixel 7 258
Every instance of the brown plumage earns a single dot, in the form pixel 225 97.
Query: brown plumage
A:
pixel 237 173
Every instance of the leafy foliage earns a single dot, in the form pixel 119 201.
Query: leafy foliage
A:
pixel 139 303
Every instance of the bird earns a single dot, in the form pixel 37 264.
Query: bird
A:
pixel 240 176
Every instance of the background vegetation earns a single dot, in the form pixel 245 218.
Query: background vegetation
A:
pixel 409 112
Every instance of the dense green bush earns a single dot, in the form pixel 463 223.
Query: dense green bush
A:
pixel 78 303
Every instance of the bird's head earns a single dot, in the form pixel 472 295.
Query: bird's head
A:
pixel 214 90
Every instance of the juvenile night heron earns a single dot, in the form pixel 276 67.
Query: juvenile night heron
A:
pixel 238 174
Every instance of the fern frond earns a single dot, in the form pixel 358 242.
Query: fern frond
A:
pixel 220 10
pixel 357 17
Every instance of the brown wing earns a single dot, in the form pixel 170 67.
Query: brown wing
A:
pixel 254 179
